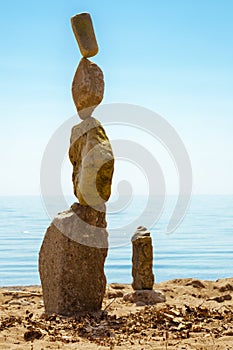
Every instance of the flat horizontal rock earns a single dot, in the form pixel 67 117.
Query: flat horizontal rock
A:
pixel 84 33
pixel 140 232
pixel 146 297
pixel 71 262
pixel 93 163
pixel 87 88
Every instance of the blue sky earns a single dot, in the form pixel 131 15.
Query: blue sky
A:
pixel 172 56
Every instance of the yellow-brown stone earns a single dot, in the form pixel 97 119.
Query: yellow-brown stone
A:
pixel 93 163
pixel 142 269
pixel 87 88
pixel 84 33
pixel 71 261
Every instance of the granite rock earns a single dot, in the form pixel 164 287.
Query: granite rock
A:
pixel 84 33
pixel 93 163
pixel 87 88
pixel 71 261
pixel 142 268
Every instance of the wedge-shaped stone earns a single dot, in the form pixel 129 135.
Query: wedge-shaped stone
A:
pixel 84 33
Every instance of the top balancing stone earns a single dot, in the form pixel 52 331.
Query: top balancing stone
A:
pixel 84 33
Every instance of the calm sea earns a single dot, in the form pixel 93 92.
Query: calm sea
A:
pixel 202 246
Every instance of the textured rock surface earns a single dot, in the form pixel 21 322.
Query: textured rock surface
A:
pixel 84 33
pixel 87 88
pixel 93 163
pixel 145 297
pixel 141 232
pixel 142 269
pixel 71 261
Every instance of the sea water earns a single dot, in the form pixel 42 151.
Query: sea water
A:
pixel 201 247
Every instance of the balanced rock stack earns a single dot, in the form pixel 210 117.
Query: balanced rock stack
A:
pixel 73 253
pixel 142 270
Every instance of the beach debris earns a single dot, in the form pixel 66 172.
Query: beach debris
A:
pixel 145 297
pixel 117 286
pixel 111 293
pixel 32 335
pixel 176 322
pixel 109 304
pixel 120 324
pixel 72 264
pixel 196 284
pixel 19 302
pixel 93 163
pixel 226 287
pixel 222 298
pixel 84 33
pixel 87 88
pixel 9 321
pixel 142 269
pixel 75 246
pixel 21 294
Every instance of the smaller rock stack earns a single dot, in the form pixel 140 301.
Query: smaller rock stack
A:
pixel 142 271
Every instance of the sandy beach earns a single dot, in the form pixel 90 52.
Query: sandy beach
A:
pixel 196 315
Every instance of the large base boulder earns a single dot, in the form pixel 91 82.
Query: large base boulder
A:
pixel 71 261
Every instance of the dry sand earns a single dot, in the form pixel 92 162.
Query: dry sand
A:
pixel 196 315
